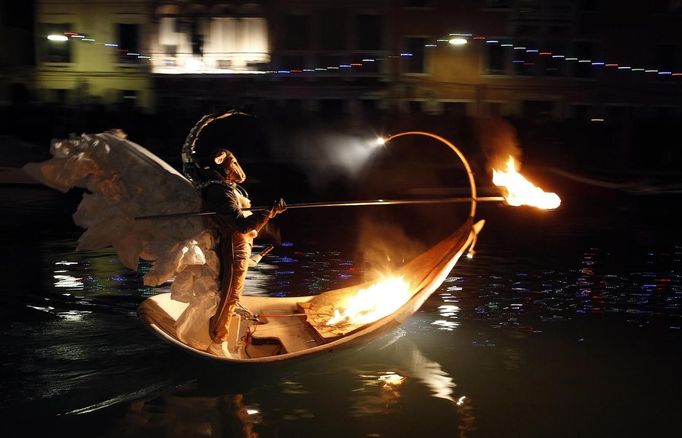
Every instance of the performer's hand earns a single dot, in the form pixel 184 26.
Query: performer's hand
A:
pixel 278 207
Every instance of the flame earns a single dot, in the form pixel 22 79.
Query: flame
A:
pixel 373 303
pixel 520 191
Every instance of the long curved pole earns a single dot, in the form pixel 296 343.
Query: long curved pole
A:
pixel 470 174
pixel 334 204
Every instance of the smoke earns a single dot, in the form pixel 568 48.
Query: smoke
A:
pixel 498 141
pixel 384 246
pixel 328 155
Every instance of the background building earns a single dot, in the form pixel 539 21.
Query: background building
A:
pixel 599 75
pixel 92 53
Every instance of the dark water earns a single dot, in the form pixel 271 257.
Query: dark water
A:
pixel 564 324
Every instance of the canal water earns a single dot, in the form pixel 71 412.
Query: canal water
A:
pixel 565 323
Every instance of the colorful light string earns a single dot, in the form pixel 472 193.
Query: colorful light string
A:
pixel 358 64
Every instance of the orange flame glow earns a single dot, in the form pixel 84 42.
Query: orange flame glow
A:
pixel 519 191
pixel 373 303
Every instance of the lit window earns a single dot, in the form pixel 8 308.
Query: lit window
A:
pixel 211 45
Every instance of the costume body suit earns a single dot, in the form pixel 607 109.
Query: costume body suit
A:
pixel 236 230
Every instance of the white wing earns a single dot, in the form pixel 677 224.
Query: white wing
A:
pixel 124 181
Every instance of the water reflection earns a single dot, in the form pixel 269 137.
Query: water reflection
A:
pixel 288 401
pixel 429 373
pixel 187 415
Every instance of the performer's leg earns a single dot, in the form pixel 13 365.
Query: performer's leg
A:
pixel 220 322
pixel 225 254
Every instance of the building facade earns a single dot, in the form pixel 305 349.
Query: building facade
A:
pixel 526 58
pixel 93 53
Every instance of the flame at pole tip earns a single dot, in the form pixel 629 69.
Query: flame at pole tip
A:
pixel 517 190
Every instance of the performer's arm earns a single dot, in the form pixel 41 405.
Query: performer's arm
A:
pixel 229 213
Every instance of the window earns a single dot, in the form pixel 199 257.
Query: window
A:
pixel 297 32
pixel 415 60
pixel 584 50
pixel 325 61
pixel 331 26
pixel 129 99
pixel 620 114
pixel 455 109
pixel 580 112
pixel 290 62
pixel 589 5
pixel 538 109
pixel 669 6
pixel 417 3
pixel 667 57
pixel 331 107
pixel 527 30
pixel 57 95
pixel 496 59
pixel 234 44
pixel 369 63
pixel 216 44
pixel 524 63
pixel 294 106
pixel 368 30
pixel 494 109
pixel 414 106
pixel 550 66
pixel 57 51
pixel 369 106
pixel 497 4
pixel 128 43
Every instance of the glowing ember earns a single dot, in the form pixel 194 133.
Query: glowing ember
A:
pixel 373 303
pixel 520 191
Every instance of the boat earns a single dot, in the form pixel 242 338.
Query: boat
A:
pixel 282 328
pixel 275 329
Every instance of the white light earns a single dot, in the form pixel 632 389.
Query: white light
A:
pixel 459 41
pixel 58 38
pixel 380 141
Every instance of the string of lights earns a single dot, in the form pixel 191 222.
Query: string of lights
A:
pixel 453 39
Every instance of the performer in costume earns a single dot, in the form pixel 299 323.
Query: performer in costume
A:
pixel 236 230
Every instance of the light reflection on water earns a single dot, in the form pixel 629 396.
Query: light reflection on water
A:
pixel 508 333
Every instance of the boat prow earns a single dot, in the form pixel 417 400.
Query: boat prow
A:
pixel 287 327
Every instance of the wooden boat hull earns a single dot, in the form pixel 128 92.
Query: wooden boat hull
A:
pixel 285 332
